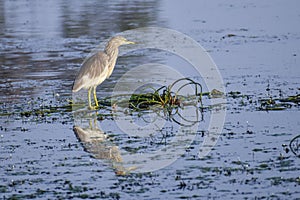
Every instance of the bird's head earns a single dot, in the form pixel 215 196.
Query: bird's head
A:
pixel 118 41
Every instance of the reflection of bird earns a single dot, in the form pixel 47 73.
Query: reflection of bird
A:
pixel 95 142
pixel 98 68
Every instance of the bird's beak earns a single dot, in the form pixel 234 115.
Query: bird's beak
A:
pixel 130 42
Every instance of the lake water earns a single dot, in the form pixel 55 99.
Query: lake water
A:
pixel 57 154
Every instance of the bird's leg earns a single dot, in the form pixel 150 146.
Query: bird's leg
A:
pixel 95 97
pixel 89 98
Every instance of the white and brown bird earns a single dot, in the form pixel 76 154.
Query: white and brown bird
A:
pixel 98 67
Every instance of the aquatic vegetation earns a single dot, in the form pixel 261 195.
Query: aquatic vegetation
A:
pixel 293 99
pixel 165 101
pixel 278 103
pixel 166 97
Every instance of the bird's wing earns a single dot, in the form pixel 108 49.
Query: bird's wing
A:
pixel 91 69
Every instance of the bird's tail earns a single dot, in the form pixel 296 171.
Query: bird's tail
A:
pixel 76 87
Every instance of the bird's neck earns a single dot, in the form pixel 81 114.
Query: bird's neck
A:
pixel 112 52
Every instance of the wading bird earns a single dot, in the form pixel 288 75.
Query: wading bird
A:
pixel 98 68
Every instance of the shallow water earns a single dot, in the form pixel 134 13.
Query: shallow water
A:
pixel 254 44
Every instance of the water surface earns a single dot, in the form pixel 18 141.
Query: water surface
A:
pixel 42 45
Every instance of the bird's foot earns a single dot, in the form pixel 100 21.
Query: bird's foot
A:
pixel 93 107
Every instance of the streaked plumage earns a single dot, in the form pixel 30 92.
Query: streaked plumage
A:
pixel 92 72
pixel 98 68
